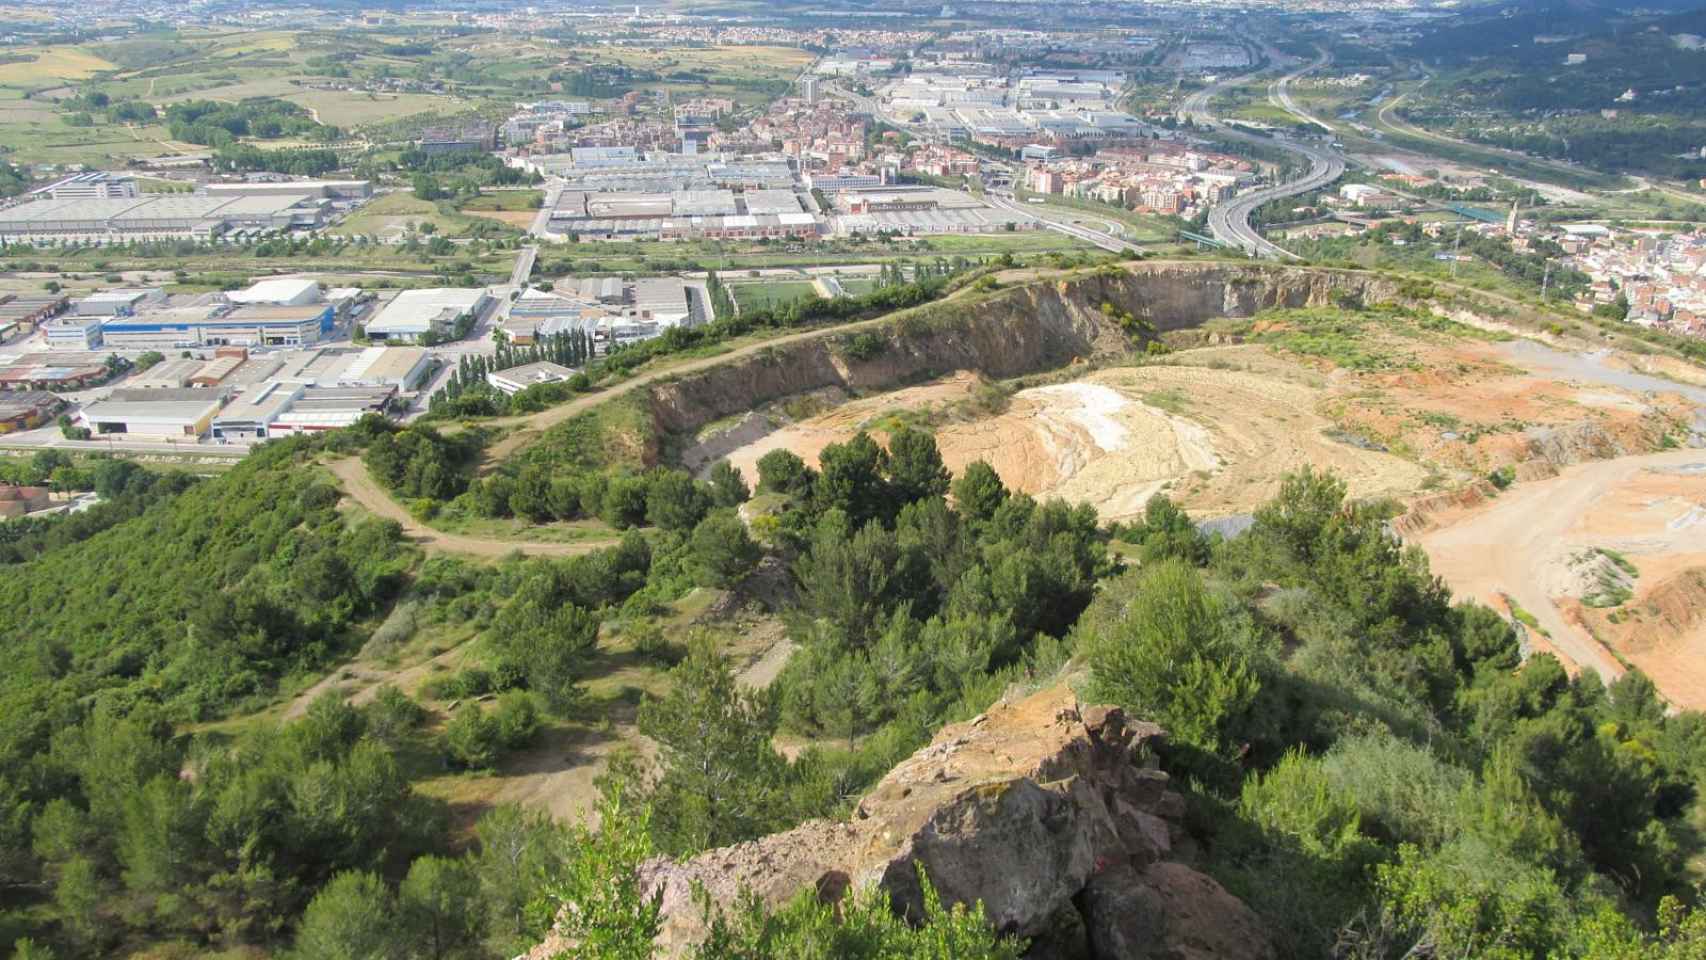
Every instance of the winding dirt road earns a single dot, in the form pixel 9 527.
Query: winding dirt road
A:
pixel 361 488
pixel 1515 545
pixel 531 425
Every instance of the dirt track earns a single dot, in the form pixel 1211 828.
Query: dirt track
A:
pixel 361 488
pixel 530 426
pixel 1519 544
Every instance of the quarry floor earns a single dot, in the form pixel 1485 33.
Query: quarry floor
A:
pixel 1216 428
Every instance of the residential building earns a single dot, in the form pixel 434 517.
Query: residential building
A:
pixel 1046 181
pixel 831 182
pixel 16 501
pixel 450 139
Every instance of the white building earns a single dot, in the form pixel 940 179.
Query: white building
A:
pixel 279 408
pixel 278 292
pixel 73 333
pixel 662 299
pixel 117 303
pixel 1357 193
pixel 90 186
pixel 401 367
pixel 516 379
pixel 416 316
pixel 154 414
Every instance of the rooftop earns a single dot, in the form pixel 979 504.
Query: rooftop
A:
pixel 155 405
pixel 415 311
pixel 276 290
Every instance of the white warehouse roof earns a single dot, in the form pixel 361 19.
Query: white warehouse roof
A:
pixel 416 311
pixel 282 290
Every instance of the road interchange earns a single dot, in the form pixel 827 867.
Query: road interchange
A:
pixel 1229 222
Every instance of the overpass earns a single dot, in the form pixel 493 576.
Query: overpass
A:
pixel 1096 238
pixel 1229 222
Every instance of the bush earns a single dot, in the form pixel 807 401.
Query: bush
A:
pixel 721 552
pixel 472 739
pixel 1180 656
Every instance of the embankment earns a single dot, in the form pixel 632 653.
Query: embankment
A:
pixel 1020 329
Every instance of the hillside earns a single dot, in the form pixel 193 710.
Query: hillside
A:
pixel 275 712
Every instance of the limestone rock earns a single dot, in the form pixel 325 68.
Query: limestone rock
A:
pixel 1168 911
pixel 1039 809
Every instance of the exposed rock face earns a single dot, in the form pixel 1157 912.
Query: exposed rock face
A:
pixel 1022 329
pixel 1035 808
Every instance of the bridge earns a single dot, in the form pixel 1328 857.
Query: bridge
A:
pixel 1201 241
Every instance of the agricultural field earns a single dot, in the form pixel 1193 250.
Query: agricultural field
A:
pixel 40 114
pixel 33 65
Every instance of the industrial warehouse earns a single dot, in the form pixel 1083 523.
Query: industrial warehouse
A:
pixel 223 211
pixel 279 312
pixel 682 215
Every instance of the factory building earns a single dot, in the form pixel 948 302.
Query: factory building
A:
pixel 422 316
pixel 171 374
pixel 28 410
pixel 278 292
pixel 219 324
pixel 154 414
pixel 28 312
pixel 117 303
pixel 156 217
pixel 94 185
pixel 54 371
pixel 73 333
pixel 280 408
pixel 329 189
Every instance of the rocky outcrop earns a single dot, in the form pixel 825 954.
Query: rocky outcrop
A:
pixel 1037 809
pixel 1023 328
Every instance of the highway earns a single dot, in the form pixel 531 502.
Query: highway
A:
pixel 1229 222
pixel 1097 238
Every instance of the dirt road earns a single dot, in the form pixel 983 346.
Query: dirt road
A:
pixel 530 426
pixel 361 488
pixel 1517 544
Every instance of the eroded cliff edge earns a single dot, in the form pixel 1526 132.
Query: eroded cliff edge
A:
pixel 1052 814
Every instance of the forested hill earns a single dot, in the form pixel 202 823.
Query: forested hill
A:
pixel 1377 771
pixel 207 597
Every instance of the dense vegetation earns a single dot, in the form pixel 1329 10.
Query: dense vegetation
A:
pixel 1381 772
pixel 1372 765
pixel 1633 105
pixel 218 124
